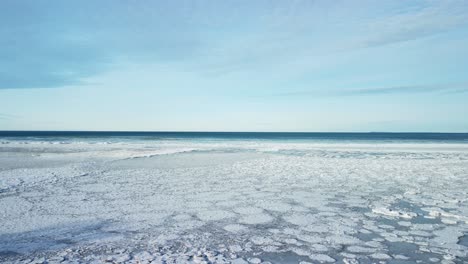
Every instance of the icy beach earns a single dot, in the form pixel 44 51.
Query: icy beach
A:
pixel 120 200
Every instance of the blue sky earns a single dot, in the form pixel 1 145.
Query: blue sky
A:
pixel 234 65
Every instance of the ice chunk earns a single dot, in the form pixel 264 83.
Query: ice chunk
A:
pixel 393 213
pixel 380 256
pixel 322 258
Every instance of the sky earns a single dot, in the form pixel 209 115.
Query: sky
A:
pixel 240 65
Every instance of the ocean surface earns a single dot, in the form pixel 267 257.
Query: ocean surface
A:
pixel 378 136
pixel 222 197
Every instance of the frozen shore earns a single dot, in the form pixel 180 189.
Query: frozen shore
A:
pixel 232 202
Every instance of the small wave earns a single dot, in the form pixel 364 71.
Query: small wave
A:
pixel 189 150
pixel 161 153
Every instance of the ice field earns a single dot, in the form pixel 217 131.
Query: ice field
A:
pixel 233 201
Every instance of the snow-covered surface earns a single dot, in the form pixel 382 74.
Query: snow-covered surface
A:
pixel 215 201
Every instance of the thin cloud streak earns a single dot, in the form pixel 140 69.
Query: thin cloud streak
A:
pixel 7 116
pixel 443 89
pixel 430 20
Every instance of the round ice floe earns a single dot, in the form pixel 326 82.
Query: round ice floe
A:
pixel 235 248
pixel 182 217
pixel 393 238
pixel 316 228
pixel 248 210
pixel 300 219
pixel 348 255
pixel 196 204
pixel 300 251
pixel 214 215
pixel 420 233
pixel 259 240
pixel 448 221
pixel 364 231
pixel 255 260
pixel 350 261
pixel 404 223
pixel 373 243
pixel 269 248
pixel 380 256
pixel 239 261
pixel 310 238
pixel 386 226
pixel 275 206
pixel 427 227
pixel 292 241
pixel 402 257
pixel 343 240
pixel 437 212
pixel 229 204
pixel 326 213
pixel 256 219
pixel 189 224
pixel 298 208
pixel 143 256
pixel 235 228
pixel 319 248
pixel 322 258
pixel 359 249
pixel 146 218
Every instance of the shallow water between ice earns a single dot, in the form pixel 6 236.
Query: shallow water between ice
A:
pixel 233 202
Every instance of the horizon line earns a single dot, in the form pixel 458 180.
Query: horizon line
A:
pixel 201 131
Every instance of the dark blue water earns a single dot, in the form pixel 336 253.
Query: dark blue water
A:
pixel 445 137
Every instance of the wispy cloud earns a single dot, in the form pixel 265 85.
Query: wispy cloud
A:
pixel 410 89
pixel 7 116
pixel 60 44
pixel 458 91
pixel 311 31
pixel 413 22
pixel 444 88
